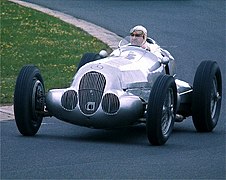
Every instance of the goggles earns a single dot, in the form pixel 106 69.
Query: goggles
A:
pixel 137 33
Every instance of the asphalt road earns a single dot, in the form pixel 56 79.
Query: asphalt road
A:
pixel 192 31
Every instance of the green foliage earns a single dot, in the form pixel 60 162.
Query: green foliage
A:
pixel 31 37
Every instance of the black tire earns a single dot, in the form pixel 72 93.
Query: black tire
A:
pixel 29 100
pixel 207 93
pixel 88 57
pixel 161 110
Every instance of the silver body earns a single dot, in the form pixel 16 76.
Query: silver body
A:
pixel 113 91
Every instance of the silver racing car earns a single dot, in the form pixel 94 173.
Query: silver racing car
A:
pixel 127 87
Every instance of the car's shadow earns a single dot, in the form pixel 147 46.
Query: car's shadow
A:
pixel 57 130
pixel 126 135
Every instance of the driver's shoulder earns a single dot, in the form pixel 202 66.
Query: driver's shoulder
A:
pixel 150 40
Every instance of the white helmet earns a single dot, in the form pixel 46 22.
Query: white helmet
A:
pixel 142 29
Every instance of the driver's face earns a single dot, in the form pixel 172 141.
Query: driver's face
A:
pixel 137 38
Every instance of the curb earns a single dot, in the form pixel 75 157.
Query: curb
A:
pixel 6 113
pixel 104 35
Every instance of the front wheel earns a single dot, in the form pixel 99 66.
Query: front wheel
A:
pixel 207 93
pixel 161 110
pixel 29 96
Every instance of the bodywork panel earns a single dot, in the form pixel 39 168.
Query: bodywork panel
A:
pixel 110 92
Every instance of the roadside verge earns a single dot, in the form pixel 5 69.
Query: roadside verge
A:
pixel 106 36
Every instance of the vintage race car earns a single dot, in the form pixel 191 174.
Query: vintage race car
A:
pixel 127 87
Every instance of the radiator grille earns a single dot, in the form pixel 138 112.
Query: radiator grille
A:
pixel 91 89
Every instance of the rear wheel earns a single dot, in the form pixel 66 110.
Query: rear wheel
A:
pixel 207 93
pixel 29 96
pixel 161 110
pixel 88 57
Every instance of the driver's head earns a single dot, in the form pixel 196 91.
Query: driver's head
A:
pixel 138 35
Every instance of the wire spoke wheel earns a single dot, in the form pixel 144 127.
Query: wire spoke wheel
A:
pixel 207 95
pixel 161 110
pixel 29 100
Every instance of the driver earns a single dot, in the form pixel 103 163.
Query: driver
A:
pixel 138 37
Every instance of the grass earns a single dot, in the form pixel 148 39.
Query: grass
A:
pixel 31 37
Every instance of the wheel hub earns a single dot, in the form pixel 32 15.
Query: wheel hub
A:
pixel 38 99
